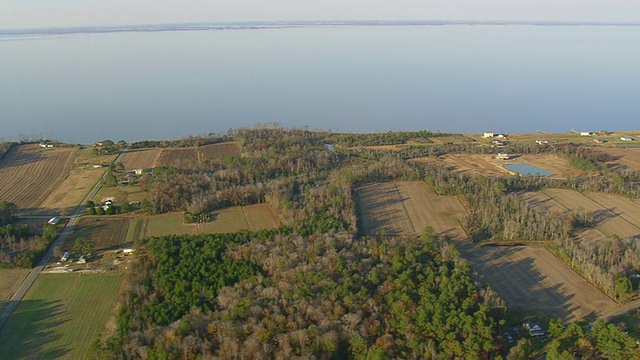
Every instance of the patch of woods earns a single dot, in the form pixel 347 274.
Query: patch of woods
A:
pixel 187 141
pixel 21 246
pixel 581 341
pixel 281 294
pixel 5 147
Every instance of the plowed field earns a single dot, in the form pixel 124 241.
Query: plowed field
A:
pixel 177 157
pixel 30 174
pixel 141 158
pixel 408 207
pixel 217 151
pixel 528 277
pixel 613 214
pixel 628 159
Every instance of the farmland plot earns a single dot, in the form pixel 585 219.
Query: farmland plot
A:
pixel 141 158
pixel 71 192
pixel 530 277
pixel 10 281
pixel 217 151
pixel 106 233
pixel 60 316
pixel 611 220
pixel 259 217
pixel 468 164
pixel 408 207
pixel 628 159
pixel 177 156
pixel 29 174
pixel 253 218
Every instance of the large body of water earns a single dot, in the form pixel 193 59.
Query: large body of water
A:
pixel 454 78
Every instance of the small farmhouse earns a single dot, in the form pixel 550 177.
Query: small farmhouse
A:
pixel 586 133
pixel 542 142
pixel 502 156
pixel 487 134
pixel 626 138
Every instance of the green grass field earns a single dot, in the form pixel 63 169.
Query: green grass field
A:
pixel 60 316
pixel 252 217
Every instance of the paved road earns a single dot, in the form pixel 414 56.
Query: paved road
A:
pixel 73 220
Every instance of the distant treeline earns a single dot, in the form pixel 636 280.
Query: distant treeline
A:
pixel 187 141
pixel 386 138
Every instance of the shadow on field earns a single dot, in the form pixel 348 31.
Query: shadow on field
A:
pixel 600 216
pixel 518 281
pixel 14 158
pixel 30 330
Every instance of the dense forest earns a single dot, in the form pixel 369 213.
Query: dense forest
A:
pixel 327 295
pixel 317 286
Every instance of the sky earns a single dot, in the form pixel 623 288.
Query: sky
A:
pixel 43 13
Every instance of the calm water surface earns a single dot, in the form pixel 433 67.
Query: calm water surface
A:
pixel 164 85
pixel 527 169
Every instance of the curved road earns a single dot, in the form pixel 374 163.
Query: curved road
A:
pixel 73 220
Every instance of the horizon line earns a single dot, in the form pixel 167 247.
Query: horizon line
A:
pixel 261 24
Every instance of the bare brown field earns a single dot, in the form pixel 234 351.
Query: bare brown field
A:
pixel 613 214
pixel 468 164
pixel 408 207
pixel 29 175
pixel 10 281
pixel 609 220
pixel 217 151
pixel 141 158
pixel 259 217
pixel 625 159
pixel 532 278
pixel 454 139
pixel 620 206
pixel 71 192
pixel 177 156
pixel 382 210
pixel 106 233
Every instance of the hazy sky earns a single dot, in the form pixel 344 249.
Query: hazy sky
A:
pixel 47 13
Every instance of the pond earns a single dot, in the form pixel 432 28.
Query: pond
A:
pixel 527 169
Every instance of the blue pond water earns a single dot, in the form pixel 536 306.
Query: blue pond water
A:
pixel 526 169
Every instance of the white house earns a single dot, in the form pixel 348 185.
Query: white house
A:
pixel 586 133
pixel 487 134
pixel 542 142
pixel 502 156
pixel 625 138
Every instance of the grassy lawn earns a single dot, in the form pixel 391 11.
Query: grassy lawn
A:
pixel 60 316
pixel 160 225
pixel 224 221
